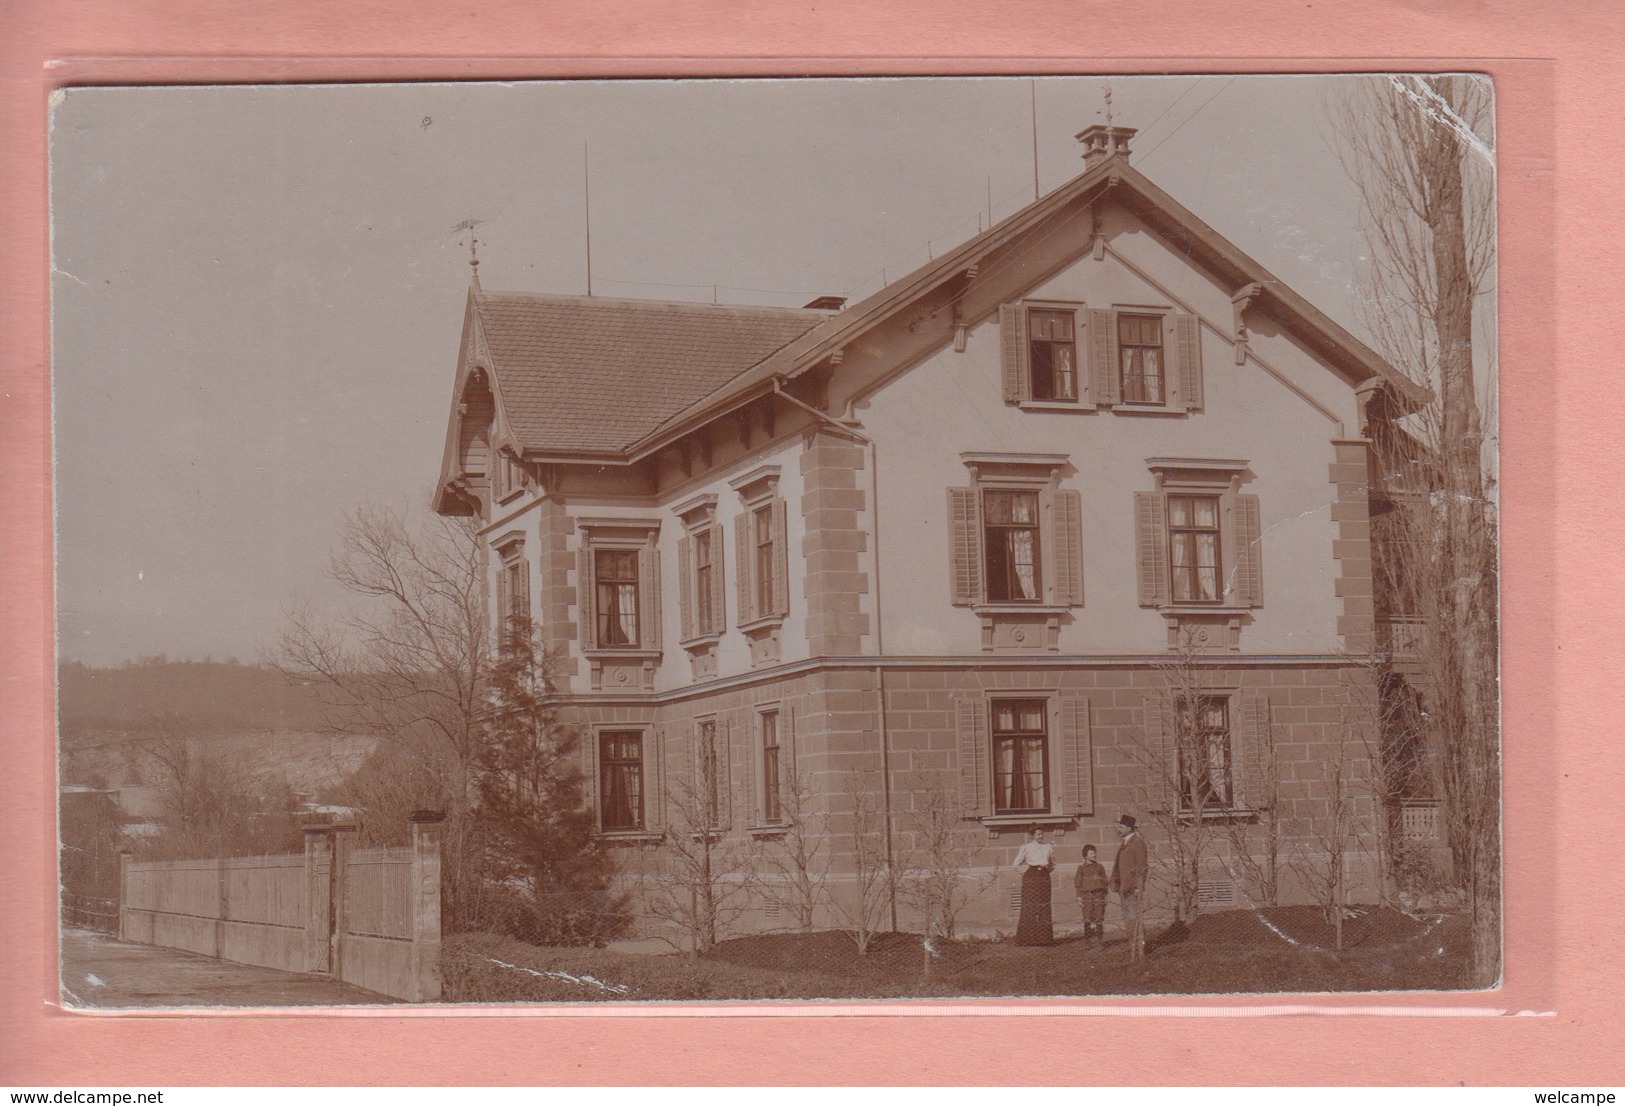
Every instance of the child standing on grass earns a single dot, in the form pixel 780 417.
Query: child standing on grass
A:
pixel 1090 883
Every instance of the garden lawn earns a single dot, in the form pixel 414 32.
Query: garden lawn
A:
pixel 1280 950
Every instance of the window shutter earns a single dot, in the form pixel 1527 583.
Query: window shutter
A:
pixel 1162 769
pixel 1182 345
pixel 756 779
pixel 654 780
pixel 1068 544
pixel 586 600
pixel 1249 571
pixel 1151 547
pixel 589 776
pixel 725 795
pixel 719 613
pixel 781 560
pixel 686 599
pixel 975 785
pixel 1105 375
pixel 965 546
pixel 650 615
pixel 523 598
pixel 1013 352
pixel 1250 756
pixel 1080 782
pixel 688 801
pixel 502 607
pixel 787 742
pixel 745 564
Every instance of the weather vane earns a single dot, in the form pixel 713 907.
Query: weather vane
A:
pixel 473 244
pixel 1108 104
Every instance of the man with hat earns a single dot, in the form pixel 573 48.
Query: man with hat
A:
pixel 1128 880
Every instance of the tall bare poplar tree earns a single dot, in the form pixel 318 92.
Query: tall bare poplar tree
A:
pixel 1420 151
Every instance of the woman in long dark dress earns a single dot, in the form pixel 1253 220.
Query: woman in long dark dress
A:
pixel 1035 859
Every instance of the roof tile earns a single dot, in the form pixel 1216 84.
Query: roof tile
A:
pixel 589 374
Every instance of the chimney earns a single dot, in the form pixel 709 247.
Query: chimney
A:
pixel 1102 141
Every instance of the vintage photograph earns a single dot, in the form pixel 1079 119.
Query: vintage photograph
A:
pixel 858 539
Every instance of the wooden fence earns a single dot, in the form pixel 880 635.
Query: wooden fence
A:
pixel 370 917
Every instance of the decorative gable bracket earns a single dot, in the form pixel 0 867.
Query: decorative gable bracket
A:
pixel 1240 301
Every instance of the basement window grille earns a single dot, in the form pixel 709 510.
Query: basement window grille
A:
pixel 1216 892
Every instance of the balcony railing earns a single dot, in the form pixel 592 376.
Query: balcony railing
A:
pixel 1400 637
pixel 1419 819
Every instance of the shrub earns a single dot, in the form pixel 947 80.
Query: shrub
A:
pixel 590 917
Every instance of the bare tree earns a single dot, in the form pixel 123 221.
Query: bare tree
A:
pixel 697 880
pixel 1185 773
pixel 211 807
pixel 1420 152
pixel 1258 853
pixel 863 901
pixel 1391 757
pixel 410 665
pixel 1333 832
pixel 934 873
pixel 794 868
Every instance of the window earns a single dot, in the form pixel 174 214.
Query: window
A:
pixel 1128 358
pixel 1193 548
pixel 1010 523
pixel 1203 752
pixel 618 587
pixel 620 768
pixel 772 799
pixel 704 578
pixel 1020 756
pixel 1016 537
pixel 700 569
pixel 507 476
pixel 1213 753
pixel 1199 540
pixel 762 545
pixel 1034 762
pixel 1139 350
pixel 766 540
pixel 513 592
pixel 1052 355
pixel 616 574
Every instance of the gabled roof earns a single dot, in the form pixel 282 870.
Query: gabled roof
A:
pixel 1126 186
pixel 617 379
pixel 588 374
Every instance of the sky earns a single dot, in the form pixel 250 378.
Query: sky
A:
pixel 258 292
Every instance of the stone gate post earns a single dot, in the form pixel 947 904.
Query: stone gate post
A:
pixel 318 905
pixel 343 836
pixel 425 905
pixel 124 895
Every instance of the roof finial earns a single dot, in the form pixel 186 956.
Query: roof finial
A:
pixel 473 249
pixel 1108 104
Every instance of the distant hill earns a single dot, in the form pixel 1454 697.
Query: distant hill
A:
pixel 196 696
pixel 263 723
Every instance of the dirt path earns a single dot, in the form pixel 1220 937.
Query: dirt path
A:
pixel 100 972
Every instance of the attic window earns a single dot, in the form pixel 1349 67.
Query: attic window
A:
pixel 507 476
pixel 1052 354
pixel 1129 359
pixel 1139 350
